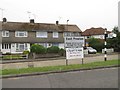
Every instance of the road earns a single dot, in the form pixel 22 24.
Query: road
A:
pixel 99 78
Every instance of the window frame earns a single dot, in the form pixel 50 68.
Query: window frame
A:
pixel 44 34
pixel 17 33
pixel 54 35
pixel 4 33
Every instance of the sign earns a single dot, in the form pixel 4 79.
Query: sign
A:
pixel 73 53
pixel 74 42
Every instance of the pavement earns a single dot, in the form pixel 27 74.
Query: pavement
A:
pixel 56 63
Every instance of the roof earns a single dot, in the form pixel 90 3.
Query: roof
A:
pixel 94 31
pixel 39 26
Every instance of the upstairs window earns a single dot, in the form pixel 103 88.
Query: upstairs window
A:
pixel 41 34
pixel 71 34
pixel 21 34
pixel 5 33
pixel 55 35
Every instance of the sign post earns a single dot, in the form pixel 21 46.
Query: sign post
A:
pixel 74 48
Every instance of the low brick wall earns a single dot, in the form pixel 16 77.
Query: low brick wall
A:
pixel 46 55
pixel 108 50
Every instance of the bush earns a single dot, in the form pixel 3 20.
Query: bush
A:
pixel 53 49
pixel 38 49
pixel 62 52
pixel 96 44
pixel 26 52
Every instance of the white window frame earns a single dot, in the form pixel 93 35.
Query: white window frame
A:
pixel 55 34
pixel 40 34
pixel 4 34
pixel 18 46
pixel 17 33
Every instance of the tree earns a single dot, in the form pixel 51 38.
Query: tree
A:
pixel 96 44
pixel 115 30
pixel 115 41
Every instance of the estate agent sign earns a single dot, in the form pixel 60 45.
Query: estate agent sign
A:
pixel 74 47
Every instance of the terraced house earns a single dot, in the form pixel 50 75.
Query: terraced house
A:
pixel 19 36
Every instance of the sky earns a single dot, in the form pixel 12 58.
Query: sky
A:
pixel 84 13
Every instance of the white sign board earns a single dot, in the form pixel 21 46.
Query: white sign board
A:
pixel 74 42
pixel 73 53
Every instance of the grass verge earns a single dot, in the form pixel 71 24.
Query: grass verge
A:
pixel 58 68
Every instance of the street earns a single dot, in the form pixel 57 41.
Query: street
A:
pixel 99 78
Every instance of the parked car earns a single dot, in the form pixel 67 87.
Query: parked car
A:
pixel 91 50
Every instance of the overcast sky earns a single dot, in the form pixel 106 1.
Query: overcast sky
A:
pixel 84 13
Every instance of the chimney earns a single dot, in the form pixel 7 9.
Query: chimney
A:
pixel 57 22
pixel 4 20
pixel 31 20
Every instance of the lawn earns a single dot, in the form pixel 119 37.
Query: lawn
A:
pixel 59 68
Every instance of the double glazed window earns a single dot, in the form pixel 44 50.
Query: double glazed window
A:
pixel 71 34
pixel 21 34
pixel 5 33
pixel 21 46
pixel 41 34
pixel 55 35
pixel 6 46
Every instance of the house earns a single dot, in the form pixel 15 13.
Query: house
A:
pixel 95 32
pixel 19 36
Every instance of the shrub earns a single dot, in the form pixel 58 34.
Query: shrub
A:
pixel 53 49
pixel 38 49
pixel 62 52
pixel 26 52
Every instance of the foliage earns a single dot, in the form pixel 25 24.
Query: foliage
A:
pixel 96 44
pixel 62 52
pixel 115 41
pixel 115 30
pixel 53 49
pixel 38 49
pixel 26 52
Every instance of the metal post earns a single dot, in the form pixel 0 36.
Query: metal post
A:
pixel 82 61
pixel 64 45
pixel 66 62
pixel 105 44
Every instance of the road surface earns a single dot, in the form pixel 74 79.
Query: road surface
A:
pixel 99 78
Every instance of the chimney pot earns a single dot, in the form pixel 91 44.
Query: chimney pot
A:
pixel 4 20
pixel 31 20
pixel 57 22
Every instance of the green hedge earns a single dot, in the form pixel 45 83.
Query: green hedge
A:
pixel 38 49
pixel 53 49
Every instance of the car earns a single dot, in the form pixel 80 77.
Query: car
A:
pixel 91 50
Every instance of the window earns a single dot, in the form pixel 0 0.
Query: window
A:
pixel 43 44
pixel 55 44
pixel 21 34
pixel 67 34
pixel 6 46
pixel 55 35
pixel 41 34
pixel 5 33
pixel 71 34
pixel 21 46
